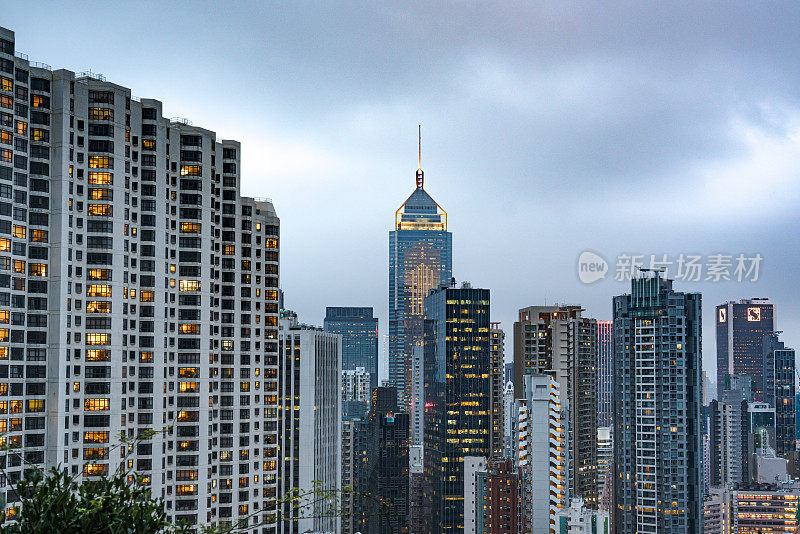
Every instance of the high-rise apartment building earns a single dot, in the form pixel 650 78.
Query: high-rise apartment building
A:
pixel 355 392
pixel 542 449
pixel 388 464
pixel 420 259
pixel 740 329
pixel 605 465
pixel 417 407
pixel 359 331
pixel 457 394
pixel 354 480
pixel 496 372
pixel 501 499
pixel 310 419
pixel 605 373
pixel 560 342
pixel 779 390
pixel 657 393
pixel 138 290
pixel 729 434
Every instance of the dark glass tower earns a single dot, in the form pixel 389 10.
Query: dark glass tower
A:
pixel 741 327
pixel 779 390
pixel 420 259
pixel 359 330
pixel 457 399
pixel 657 395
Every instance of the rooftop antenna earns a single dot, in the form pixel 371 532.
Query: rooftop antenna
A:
pixel 420 174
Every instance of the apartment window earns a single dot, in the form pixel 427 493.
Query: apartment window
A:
pixel 101 178
pixel 98 306
pixel 96 437
pixel 190 228
pixel 40 101
pixel 5 245
pixel 186 489
pixel 94 470
pixel 98 355
pixel 191 170
pixel 101 97
pixel 7 84
pixel 189 328
pixel 96 405
pixel 189 285
pixel 39 236
pixel 96 338
pixel 35 405
pixel 95 453
pixel 37 134
pixel 37 269
pixel 101 114
pixel 146 296
pixel 146 357
pixel 98 274
pixel 99 210
pixel 188 387
pixel 98 290
pixel 100 194
pixel 101 162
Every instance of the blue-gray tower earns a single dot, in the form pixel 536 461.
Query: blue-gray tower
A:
pixel 420 259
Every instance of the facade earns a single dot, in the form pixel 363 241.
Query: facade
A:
pixel 359 331
pixel 356 388
pixel 543 454
pixel 457 395
pixel 510 421
pixel 717 512
pixel 138 290
pixel 388 461
pixel 354 482
pixel 501 498
pixel 577 519
pixel 420 259
pixel 729 435
pixel 418 508
pixel 605 465
pixel 417 394
pixel 559 341
pixel 496 372
pixel 779 390
pixel 766 512
pixel 309 444
pixel 605 373
pixel 657 386
pixel 474 492
pixel 740 327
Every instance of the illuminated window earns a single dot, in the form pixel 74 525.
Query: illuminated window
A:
pixel 98 274
pixel 189 328
pixel 76 386
pixel 228 250
pixel 186 489
pixel 101 178
pixel 18 231
pixel 40 101
pixel 148 144
pixel 4 316
pixel 271 242
pixel 38 236
pixel 6 138
pixel 3 406
pixel 96 338
pixel 6 84
pixel 190 227
pixel 35 405
pixel 98 306
pixel 146 356
pixel 227 344
pixel 37 269
pixel 188 372
pixel 38 134
pixel 98 355
pixel 147 296
pixel 95 453
pixel 98 290
pixel 96 405
pixel 188 387
pixel 6 102
pixel 99 210
pixel 3 334
pixel 244 386
pixel 15 406
pixel 270 294
pixel 3 353
pixel 191 170
pixel 242 509
pixel 100 194
pixel 5 244
pixel 19 266
pixel 190 285
pixel 101 114
pixel 95 470
pixel 187 416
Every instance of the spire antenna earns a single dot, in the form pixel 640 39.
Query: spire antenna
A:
pixel 420 174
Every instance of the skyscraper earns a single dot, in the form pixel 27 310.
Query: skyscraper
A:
pixel 134 280
pixel 729 432
pixel 359 331
pixel 310 441
pixel 496 372
pixel 605 373
pixel 560 342
pixel 740 329
pixel 457 394
pixel 420 259
pixel 779 390
pixel 657 393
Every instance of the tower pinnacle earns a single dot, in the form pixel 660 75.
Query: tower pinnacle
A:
pixel 420 174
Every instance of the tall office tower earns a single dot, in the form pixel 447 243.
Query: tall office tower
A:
pixel 542 449
pixel 417 394
pixel 387 455
pixel 559 341
pixel 354 482
pixel 310 441
pixel 359 331
pixel 729 435
pixel 605 373
pixel 497 390
pixel 500 498
pixel 457 393
pixel 355 392
pixel 657 361
pixel 420 259
pixel 125 249
pixel 779 390
pixel 740 328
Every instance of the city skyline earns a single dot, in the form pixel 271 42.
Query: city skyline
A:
pixel 719 137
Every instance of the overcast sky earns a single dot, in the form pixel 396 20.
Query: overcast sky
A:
pixel 549 128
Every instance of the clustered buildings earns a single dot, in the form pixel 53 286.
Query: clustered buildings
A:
pixel 139 297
